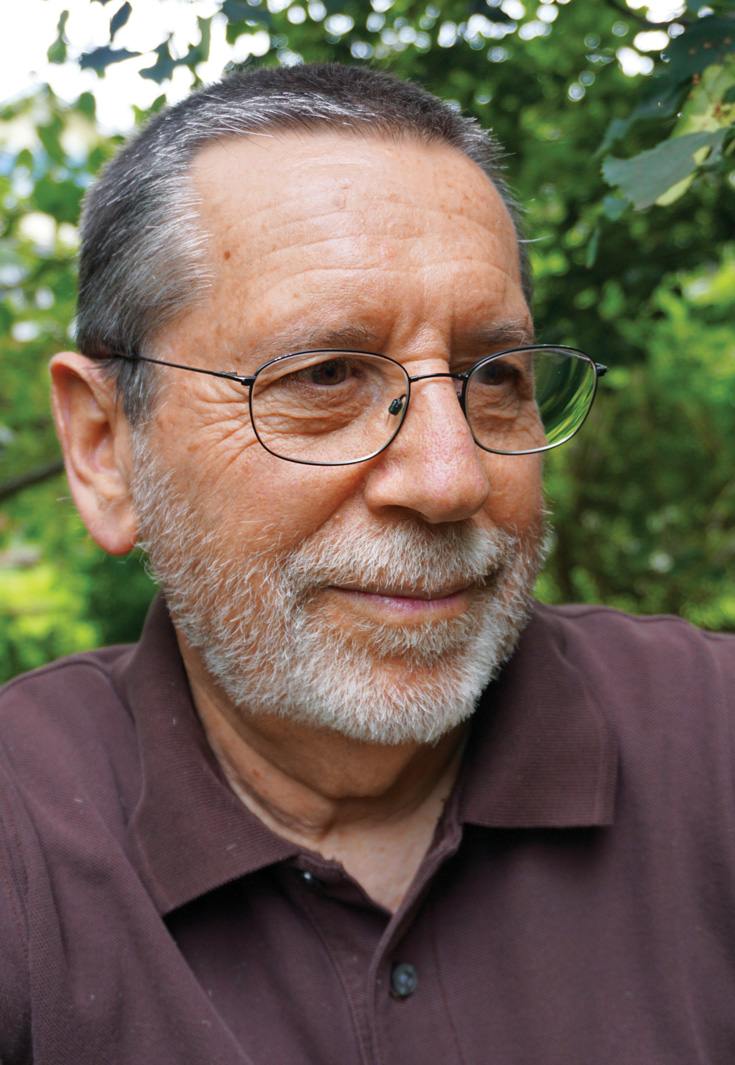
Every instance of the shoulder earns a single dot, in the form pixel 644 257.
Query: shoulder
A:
pixel 69 778
pixel 666 687
pixel 63 691
pixel 66 730
pixel 647 674
pixel 610 639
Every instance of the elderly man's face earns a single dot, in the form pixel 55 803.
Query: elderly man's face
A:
pixel 374 598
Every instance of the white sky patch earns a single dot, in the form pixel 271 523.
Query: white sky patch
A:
pixel 513 8
pixel 651 40
pixel 657 10
pixel 30 28
pixel 547 12
pixel 631 63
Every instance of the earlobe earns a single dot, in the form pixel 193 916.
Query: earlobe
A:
pixel 96 440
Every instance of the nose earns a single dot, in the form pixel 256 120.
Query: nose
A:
pixel 433 468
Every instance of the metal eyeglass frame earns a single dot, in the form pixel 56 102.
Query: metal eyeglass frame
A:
pixel 248 380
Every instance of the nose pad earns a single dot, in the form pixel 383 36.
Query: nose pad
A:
pixel 396 407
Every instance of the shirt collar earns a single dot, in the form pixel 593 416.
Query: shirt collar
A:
pixel 189 832
pixel 541 754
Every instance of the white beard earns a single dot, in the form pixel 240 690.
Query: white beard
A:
pixel 261 621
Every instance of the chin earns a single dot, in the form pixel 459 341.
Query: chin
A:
pixel 394 686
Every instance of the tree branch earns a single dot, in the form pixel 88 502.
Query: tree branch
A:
pixel 41 473
pixel 626 12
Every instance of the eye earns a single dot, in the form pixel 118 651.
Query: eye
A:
pixel 497 373
pixel 332 372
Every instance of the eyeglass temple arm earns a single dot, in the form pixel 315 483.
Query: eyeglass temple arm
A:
pixel 244 379
pixel 230 375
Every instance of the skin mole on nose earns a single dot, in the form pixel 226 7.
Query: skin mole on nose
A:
pixel 227 255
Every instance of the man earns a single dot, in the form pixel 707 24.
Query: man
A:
pixel 316 816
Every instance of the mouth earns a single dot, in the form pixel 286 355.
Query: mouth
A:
pixel 425 595
pixel 403 604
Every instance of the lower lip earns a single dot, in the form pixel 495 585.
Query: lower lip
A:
pixel 408 606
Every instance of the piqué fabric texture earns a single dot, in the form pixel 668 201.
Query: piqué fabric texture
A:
pixel 576 907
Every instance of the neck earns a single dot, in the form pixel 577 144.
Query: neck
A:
pixel 374 808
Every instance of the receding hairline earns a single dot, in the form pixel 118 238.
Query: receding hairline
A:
pixel 359 132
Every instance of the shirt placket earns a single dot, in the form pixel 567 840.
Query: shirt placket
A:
pixel 388 964
pixel 407 1005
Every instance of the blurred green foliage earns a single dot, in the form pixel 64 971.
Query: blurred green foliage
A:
pixel 630 187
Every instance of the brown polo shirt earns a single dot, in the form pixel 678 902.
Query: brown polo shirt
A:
pixel 576 907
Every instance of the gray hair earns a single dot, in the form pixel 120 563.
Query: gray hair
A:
pixel 142 261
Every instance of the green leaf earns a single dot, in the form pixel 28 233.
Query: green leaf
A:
pixel 57 51
pixel 649 175
pixel 86 104
pixel 49 135
pixel 205 28
pixel 199 53
pixel 100 58
pixel 662 101
pixel 495 14
pixel 592 247
pixel 61 199
pixel 706 41
pixel 694 5
pixel 163 67
pixel 238 11
pixel 119 19
pixel 614 206
pixel 614 132
pixel 705 108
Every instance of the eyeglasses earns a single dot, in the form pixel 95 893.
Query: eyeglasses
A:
pixel 335 408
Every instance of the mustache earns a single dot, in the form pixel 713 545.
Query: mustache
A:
pixel 407 558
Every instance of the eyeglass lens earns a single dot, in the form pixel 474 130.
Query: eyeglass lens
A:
pixel 529 399
pixel 330 408
pixel 327 408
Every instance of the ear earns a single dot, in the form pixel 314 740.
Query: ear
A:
pixel 96 440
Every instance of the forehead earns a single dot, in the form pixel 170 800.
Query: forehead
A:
pixel 307 224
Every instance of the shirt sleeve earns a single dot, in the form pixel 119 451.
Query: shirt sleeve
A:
pixel 14 954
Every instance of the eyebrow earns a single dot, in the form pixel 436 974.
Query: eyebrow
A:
pixel 353 336
pixel 513 334
pixel 358 337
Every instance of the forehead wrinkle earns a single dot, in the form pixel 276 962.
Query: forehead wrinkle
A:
pixel 358 250
pixel 397 220
pixel 384 276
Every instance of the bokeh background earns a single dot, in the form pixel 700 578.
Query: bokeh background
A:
pixel 619 122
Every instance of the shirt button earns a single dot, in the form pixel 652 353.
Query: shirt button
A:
pixel 310 879
pixel 404 979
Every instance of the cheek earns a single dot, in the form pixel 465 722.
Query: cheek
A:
pixel 515 501
pixel 287 502
pixel 257 499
